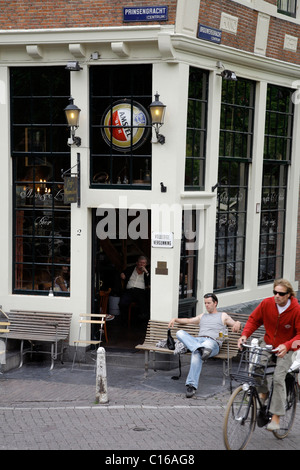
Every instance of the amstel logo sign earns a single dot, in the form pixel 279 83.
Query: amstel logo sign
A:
pixel 125 125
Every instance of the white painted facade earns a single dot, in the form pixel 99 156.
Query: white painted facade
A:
pixel 171 51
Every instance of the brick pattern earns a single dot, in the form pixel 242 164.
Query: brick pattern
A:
pixel 210 14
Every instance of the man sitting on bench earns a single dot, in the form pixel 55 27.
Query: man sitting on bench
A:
pixel 208 342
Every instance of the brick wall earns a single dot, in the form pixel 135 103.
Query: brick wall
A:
pixel 35 14
pixel 210 14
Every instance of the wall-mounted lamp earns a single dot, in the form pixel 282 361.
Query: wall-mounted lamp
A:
pixel 72 115
pixel 157 111
pixel 73 66
pixel 226 74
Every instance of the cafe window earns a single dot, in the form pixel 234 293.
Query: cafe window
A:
pixel 277 158
pixel 196 130
pixel 41 219
pixel 120 130
pixel 188 263
pixel 287 7
pixel 235 156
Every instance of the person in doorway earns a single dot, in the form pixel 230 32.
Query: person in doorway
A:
pixel 207 343
pixel 136 281
pixel 280 316
pixel 62 281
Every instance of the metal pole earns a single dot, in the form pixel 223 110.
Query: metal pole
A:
pixel 101 380
pixel 78 180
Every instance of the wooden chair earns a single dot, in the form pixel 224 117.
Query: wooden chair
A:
pixel 93 319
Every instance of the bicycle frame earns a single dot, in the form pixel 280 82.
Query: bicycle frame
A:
pixel 246 408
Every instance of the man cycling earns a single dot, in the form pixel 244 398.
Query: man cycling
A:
pixel 280 316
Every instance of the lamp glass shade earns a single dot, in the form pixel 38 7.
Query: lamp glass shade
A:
pixel 72 114
pixel 157 111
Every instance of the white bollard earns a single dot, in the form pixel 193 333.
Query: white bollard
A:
pixel 101 380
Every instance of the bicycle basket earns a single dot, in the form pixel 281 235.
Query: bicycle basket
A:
pixel 254 365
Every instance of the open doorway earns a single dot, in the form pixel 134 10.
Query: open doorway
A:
pixel 119 239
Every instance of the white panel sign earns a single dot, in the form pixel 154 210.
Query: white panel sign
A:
pixel 162 239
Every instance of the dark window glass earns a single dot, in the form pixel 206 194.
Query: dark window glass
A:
pixel 235 154
pixel 277 157
pixel 188 264
pixel 196 130
pixel 40 153
pixel 120 147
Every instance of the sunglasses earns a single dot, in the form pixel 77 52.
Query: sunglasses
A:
pixel 282 294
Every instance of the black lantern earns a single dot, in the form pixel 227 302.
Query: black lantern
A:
pixel 72 114
pixel 157 112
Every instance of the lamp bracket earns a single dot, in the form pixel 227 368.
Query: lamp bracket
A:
pixel 160 139
pixel 74 140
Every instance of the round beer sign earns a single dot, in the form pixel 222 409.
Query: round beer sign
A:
pixel 125 125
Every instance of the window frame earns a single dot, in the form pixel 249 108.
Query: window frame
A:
pixel 273 213
pixel 188 263
pixel 289 10
pixel 235 156
pixel 35 198
pixel 110 167
pixel 198 131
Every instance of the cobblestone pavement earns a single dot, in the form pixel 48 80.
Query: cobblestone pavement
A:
pixel 56 410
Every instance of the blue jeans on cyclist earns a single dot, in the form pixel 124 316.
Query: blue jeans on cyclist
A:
pixel 193 344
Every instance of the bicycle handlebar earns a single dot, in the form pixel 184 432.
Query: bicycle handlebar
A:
pixel 268 347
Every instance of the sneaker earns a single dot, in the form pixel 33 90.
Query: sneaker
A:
pixel 273 426
pixel 110 317
pixel 204 353
pixel 190 391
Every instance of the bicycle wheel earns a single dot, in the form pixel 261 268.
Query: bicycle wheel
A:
pixel 286 421
pixel 239 420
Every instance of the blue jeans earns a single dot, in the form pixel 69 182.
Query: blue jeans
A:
pixel 193 344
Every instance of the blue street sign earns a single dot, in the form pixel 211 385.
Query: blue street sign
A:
pixel 145 13
pixel 209 34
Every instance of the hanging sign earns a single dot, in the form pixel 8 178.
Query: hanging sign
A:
pixel 124 125
pixel 70 189
pixel 149 13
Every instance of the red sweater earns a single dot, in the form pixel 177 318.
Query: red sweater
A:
pixel 280 329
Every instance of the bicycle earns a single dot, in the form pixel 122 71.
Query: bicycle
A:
pixel 245 408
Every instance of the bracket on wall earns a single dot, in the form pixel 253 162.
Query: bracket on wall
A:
pixel 163 188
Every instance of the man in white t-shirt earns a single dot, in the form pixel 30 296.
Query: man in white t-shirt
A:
pixel 136 288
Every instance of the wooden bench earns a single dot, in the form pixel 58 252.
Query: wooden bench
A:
pixel 157 331
pixel 38 328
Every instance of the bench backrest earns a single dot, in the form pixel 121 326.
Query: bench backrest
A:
pixel 45 323
pixel 243 317
pixel 158 330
